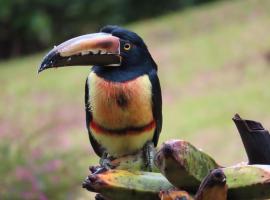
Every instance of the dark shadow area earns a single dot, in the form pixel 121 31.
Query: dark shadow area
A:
pixel 30 26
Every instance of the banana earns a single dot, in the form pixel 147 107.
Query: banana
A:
pixel 184 165
pixel 248 181
pixel 213 187
pixel 174 194
pixel 122 185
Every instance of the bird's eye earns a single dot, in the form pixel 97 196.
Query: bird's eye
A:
pixel 127 46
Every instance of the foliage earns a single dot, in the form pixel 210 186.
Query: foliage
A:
pixel 32 171
pixel 30 25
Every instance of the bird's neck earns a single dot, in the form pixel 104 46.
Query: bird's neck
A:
pixel 123 73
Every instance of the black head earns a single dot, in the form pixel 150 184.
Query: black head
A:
pixel 132 47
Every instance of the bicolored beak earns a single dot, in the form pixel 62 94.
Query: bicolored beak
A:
pixel 101 49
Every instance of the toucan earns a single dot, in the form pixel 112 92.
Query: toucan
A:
pixel 123 101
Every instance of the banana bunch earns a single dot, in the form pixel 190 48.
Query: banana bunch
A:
pixel 185 167
pixel 182 172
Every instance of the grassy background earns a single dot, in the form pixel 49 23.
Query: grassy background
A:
pixel 213 62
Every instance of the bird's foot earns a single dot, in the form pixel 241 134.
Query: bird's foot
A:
pixel 148 155
pixel 104 165
pixel 97 169
pixel 105 162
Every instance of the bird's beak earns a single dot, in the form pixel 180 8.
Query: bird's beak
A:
pixel 91 49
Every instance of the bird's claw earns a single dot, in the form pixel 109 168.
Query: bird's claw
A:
pixel 105 162
pixel 148 153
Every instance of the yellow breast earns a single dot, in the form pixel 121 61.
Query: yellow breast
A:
pixel 120 105
pixel 123 143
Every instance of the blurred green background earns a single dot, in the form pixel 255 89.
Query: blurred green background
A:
pixel 213 58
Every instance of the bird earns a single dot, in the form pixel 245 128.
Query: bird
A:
pixel 123 101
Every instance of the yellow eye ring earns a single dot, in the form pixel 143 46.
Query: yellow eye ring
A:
pixel 127 46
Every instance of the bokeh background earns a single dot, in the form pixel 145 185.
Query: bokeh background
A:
pixel 213 58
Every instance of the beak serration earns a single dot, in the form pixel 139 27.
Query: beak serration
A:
pixel 91 49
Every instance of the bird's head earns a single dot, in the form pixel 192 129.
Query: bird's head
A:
pixel 112 48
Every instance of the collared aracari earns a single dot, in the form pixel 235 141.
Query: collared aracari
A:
pixel 123 101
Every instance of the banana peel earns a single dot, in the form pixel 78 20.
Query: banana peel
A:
pixel 122 185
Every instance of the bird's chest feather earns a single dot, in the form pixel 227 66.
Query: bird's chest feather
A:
pixel 120 105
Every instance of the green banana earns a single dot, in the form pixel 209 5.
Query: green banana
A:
pixel 248 181
pixel 184 165
pixel 122 185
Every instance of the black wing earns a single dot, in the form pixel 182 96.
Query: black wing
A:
pixel 97 148
pixel 156 104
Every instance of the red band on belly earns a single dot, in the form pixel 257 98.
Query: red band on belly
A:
pixel 130 130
